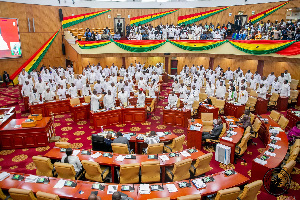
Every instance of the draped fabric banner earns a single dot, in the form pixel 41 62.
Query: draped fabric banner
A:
pixel 293 49
pixel 258 47
pixel 139 45
pixel 197 45
pixel 192 18
pixel 92 44
pixel 34 61
pixel 259 16
pixel 76 19
pixel 144 19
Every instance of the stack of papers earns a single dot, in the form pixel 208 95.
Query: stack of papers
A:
pixel 195 128
pixel 75 152
pixel 127 136
pixel 227 138
pixel 199 183
pixel 144 189
pixel 232 132
pixel 59 184
pixel 278 129
pixel 262 162
pixel 233 126
pixel 4 175
pixel 270 153
pixel 120 158
pixel 160 134
pixel 171 188
pixel 112 188
pixel 31 179
pixel 229 120
pixel 274 131
pixel 96 155
pixel 185 154
pixel 275 146
pixel 164 158
pixel 275 138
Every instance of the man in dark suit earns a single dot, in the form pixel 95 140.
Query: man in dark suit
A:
pixel 119 27
pixel 121 139
pixel 215 132
pixel 6 79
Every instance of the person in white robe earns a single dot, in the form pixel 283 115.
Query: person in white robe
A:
pixel 262 91
pixel 253 83
pixel 123 97
pixel 26 89
pixel 271 78
pixel 210 89
pixel 176 86
pixel 97 87
pixel 48 95
pixel 34 97
pixel 86 90
pixel 141 99
pixel 182 91
pixel 113 79
pixel 40 86
pixel 248 76
pixel 92 77
pixel 152 89
pixel 220 91
pixel 275 86
pixel 61 92
pixel 95 104
pixel 287 76
pixel 109 100
pixel 122 71
pixel 195 93
pixel 172 100
pixel 243 96
pixel 232 94
pixel 114 69
pixel 142 84
pixel 285 89
pixel 73 92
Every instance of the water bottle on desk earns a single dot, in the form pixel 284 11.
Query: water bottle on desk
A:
pixel 101 129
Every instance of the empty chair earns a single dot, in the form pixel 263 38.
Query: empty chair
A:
pixel 293 154
pixel 63 144
pixel 129 173
pixel 176 145
pixel 287 168
pixel 201 165
pixel 119 148
pixel 180 170
pixel 195 108
pixel 255 127
pixel 293 98
pixel 151 107
pixel 273 99
pixel 250 104
pixel 178 103
pixel 98 143
pixel 228 194
pixel 252 117
pixel 2 195
pixel 87 99
pixel 65 171
pixel 43 165
pixel 207 121
pixel 251 190
pixel 253 93
pixel 242 147
pixel 202 97
pixel 220 104
pixel 274 115
pixel 155 148
pixel 21 194
pixel 74 101
pixel 46 196
pixel 190 197
pixel 94 171
pixel 294 84
pixel 150 172
pixel 213 100
pixel 283 122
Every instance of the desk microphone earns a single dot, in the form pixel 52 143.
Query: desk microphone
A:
pixel 162 185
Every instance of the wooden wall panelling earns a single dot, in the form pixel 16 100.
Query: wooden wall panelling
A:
pixel 280 67
pixel 189 61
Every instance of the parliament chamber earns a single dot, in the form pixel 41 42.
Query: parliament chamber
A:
pixel 149 99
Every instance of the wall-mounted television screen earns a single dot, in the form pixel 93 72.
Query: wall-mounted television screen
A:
pixel 10 45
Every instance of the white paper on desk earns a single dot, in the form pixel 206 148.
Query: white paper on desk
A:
pixel 144 189
pixel 4 175
pixel 227 138
pixel 275 138
pixel 233 126
pixel 112 188
pixel 232 132
pixel 270 153
pixel 229 120
pixel 259 161
pixel 160 134
pixel 275 146
pixel 96 155
pixel 185 154
pixel 164 157
pixel 274 131
pixel 75 152
pixel 31 179
pixel 120 158
pixel 171 188
pixel 278 129
pixel 17 126
pixel 199 183
pixel 195 128
pixel 60 184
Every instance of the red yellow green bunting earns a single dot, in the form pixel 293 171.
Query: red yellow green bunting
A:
pixel 34 61
pixel 76 19
pixel 293 49
pixel 92 44
pixel 144 19
pixel 197 45
pixel 259 16
pixel 139 45
pixel 259 47
pixel 192 18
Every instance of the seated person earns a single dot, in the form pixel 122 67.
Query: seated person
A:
pixel 108 141
pixel 94 197
pixel 117 36
pixel 121 139
pixel 141 98
pixel 6 79
pixel 74 160
pixel 118 196
pixel 215 132
pixel 245 120
pixel 172 100
pixel 294 133
pixel 152 138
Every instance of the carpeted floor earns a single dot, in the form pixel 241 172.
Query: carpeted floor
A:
pixel 79 135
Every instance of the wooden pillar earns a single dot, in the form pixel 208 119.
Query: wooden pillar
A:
pixel 211 62
pixel 260 67
pixel 123 62
pixel 167 65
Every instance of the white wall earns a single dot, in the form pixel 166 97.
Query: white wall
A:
pixel 171 4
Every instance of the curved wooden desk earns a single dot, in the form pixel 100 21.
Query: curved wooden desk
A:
pixel 234 110
pixel 7 117
pixel 176 117
pixel 221 182
pixel 112 162
pixel 259 170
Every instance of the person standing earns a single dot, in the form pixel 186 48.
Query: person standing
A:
pixel 95 101
pixel 7 79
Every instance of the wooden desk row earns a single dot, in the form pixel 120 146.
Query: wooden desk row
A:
pixel 208 109
pixel 12 137
pixel 84 188
pixel 293 119
pixel 56 154
pixel 176 117
pixel 258 170
pixel 233 110
pixel 8 115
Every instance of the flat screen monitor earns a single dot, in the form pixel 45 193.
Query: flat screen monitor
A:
pixel 10 45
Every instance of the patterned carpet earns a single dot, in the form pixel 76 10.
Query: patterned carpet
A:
pixel 79 135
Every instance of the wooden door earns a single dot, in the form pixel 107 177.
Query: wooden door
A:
pixel 174 64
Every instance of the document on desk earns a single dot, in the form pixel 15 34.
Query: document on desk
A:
pixel 262 162
pixel 75 152
pixel 164 158
pixel 233 126
pixel 171 188
pixel 270 153
pixel 160 134
pixel 112 188
pixel 4 175
pixel 120 158
pixel 31 179
pixel 232 132
pixel 278 129
pixel 195 128
pixel 227 139
pixel 275 138
pixel 60 184
pixel 185 154
pixel 96 155
pixel 275 146
pixel 144 189
pixel 229 120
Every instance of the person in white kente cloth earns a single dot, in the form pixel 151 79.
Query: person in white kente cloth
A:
pixel 172 100
pixel 262 91
pixel 34 97
pixel 188 104
pixel 48 95
pixel 95 101
pixel 123 97
pixel 285 89
pixel 61 92
pixel 109 100
pixel 73 91
pixel 176 86
pixel 220 91
pixel 243 96
pixel 86 90
pixel 141 99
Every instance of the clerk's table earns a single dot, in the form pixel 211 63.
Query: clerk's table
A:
pixel 194 133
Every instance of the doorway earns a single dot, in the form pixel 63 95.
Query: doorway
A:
pixel 174 64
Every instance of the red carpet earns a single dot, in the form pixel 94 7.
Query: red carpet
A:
pixel 79 135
